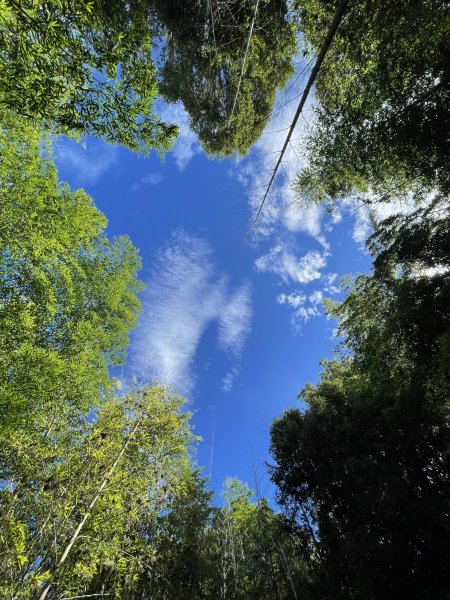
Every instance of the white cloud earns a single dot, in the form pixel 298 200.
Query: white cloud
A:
pixel 303 314
pixel 330 278
pixel 86 161
pixel 364 212
pixel 284 214
pixel 235 319
pixel 289 267
pixel 316 297
pixel 295 299
pixel 304 307
pixel 185 296
pixel 148 179
pixel 152 178
pixel 332 289
pixel 187 144
pixel 229 379
pixel 303 218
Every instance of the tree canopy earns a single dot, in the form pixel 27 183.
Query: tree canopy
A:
pixel 83 68
pixel 225 70
pixel 362 467
pixel 68 297
pixel 382 115
pixel 365 465
pixel 89 68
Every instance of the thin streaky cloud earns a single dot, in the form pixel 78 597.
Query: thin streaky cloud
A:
pixel 185 295
pixel 282 210
pixel 152 178
pixel 229 380
pixel 235 319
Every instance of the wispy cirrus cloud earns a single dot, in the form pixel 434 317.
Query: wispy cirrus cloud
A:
pixel 282 209
pixel 330 287
pixel 187 294
pixel 152 178
pixel 86 162
pixel 235 320
pixel 149 179
pixel 229 380
pixel 294 299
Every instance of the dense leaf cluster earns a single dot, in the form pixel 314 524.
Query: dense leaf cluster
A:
pixel 227 88
pixel 84 68
pixel 366 464
pixel 382 118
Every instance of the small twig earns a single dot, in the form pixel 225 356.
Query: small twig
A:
pixel 87 596
pixel 245 59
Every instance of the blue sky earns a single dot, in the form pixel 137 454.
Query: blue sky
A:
pixel 231 317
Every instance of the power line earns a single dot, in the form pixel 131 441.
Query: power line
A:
pixel 315 70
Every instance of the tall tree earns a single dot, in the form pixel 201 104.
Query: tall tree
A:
pixel 177 556
pixel 82 525
pixel 257 556
pixel 365 467
pixel 68 302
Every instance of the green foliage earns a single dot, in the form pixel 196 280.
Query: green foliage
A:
pixel 49 504
pixel 202 61
pixel 383 94
pixel 68 300
pixel 194 551
pixel 176 558
pixel 365 465
pixel 258 554
pixel 83 68
pixel 363 468
pixel 86 68
pixel 98 493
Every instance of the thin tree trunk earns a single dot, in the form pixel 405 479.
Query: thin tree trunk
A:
pixel 288 571
pixel 93 502
pixel 244 62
